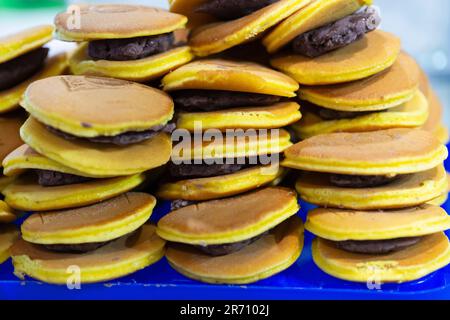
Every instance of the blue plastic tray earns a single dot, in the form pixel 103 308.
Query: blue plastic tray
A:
pixel 302 281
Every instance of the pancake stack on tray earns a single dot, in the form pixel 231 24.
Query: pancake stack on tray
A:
pixel 372 153
pixel 267 73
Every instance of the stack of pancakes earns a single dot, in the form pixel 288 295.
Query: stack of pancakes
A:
pixel 362 102
pixel 373 188
pixel 371 156
pixel 214 96
pixel 237 240
pixel 23 59
pixel 100 242
pixel 224 95
pixel 88 141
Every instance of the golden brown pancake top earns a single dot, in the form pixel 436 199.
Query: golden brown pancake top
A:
pixel 377 146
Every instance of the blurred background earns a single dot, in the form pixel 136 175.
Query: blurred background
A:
pixel 424 27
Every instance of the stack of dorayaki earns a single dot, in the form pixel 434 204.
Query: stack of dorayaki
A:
pixel 23 59
pixel 244 80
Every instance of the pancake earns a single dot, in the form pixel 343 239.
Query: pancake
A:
pixel 382 91
pixel 411 114
pixel 7 214
pixel 26 194
pixel 412 263
pixel 93 159
pixel 218 37
pixel 123 256
pixel 101 222
pixel 316 14
pixel 386 152
pixel 8 236
pixel 271 254
pixel 208 188
pixel 66 103
pixel 234 76
pixel 275 116
pixel 344 225
pixel 10 98
pixel 264 209
pixel 25 158
pixel 15 45
pixel 10 137
pixel 376 52
pixel 407 191
pixel 141 70
pixel 239 145
pixel 117 21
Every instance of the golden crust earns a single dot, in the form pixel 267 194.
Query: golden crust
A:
pixel 220 74
pixel 266 117
pixel 15 45
pixel 221 186
pixel 373 54
pixel 217 37
pixel 96 159
pixel 100 222
pixel 25 158
pixel 141 70
pixel 409 190
pixel 267 256
pixel 393 151
pixel 264 209
pixel 359 225
pixel 25 194
pixel 384 90
pixel 411 114
pixel 118 258
pixel 415 262
pixel 114 21
pixel 88 106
